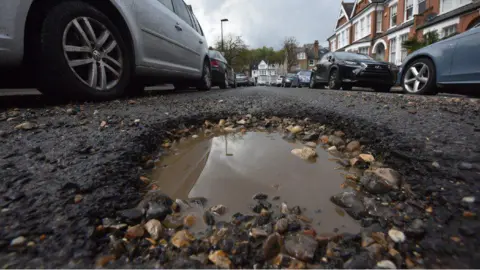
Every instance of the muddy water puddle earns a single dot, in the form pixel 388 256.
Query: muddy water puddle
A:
pixel 229 169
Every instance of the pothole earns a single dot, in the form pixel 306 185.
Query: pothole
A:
pixel 229 169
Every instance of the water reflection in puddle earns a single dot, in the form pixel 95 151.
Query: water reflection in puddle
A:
pixel 230 169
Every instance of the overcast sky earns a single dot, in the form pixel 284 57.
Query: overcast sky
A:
pixel 267 22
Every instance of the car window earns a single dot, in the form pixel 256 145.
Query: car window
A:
pixel 167 3
pixel 199 28
pixel 182 11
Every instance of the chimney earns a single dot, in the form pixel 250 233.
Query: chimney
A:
pixel 315 49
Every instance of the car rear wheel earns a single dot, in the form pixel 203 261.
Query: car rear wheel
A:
pixel 82 54
pixel 419 78
pixel 224 84
pixel 334 80
pixel 205 82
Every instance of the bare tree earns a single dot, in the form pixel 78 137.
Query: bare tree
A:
pixel 233 46
pixel 289 46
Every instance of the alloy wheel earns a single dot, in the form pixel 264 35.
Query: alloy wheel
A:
pixel 416 77
pixel 92 53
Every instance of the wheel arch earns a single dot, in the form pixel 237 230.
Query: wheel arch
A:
pixel 39 9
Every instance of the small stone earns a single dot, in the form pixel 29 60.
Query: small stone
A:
pixel 194 136
pixel 172 222
pixel 324 139
pixel 230 129
pixel 311 137
pixel 220 259
pixel 221 123
pixel 305 153
pixel 465 166
pixel 257 233
pixel 78 198
pixel 311 145
pixel 301 246
pixel 296 210
pixel 396 235
pixel 219 209
pixel 157 211
pixel 189 220
pixel 182 239
pixel 288 262
pixel 70 111
pixel 284 208
pixel 208 218
pixel 381 180
pixel 386 264
pixel 281 225
pixel 31 244
pixel 135 231
pixel 272 246
pixel 416 228
pixel 469 199
pixel 336 141
pixel 260 196
pixel 241 122
pixel 132 215
pixel 18 241
pixel 104 260
pixel 436 164
pixel 367 158
pixel 136 121
pixel 103 124
pixel 339 133
pixel 26 126
pixel 351 202
pixel 295 129
pixel 353 146
pixel 154 228
pixel 332 149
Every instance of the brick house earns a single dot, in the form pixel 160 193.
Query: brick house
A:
pixel 308 56
pixel 378 27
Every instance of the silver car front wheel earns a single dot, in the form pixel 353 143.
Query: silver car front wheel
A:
pixel 419 77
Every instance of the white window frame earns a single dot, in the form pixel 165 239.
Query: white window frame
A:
pixel 311 62
pixel 403 51
pixel 396 15
pixel 412 6
pixel 368 26
pixel 379 15
pixel 445 30
pixel 357 31
pixel 455 4
pixel 392 50
pixel 417 5
pixel 363 50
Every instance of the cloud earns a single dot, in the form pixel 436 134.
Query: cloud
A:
pixel 268 22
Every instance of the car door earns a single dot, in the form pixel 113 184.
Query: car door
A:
pixel 466 58
pixel 190 40
pixel 322 68
pixel 160 39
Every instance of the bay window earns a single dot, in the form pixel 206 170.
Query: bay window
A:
pixel 393 15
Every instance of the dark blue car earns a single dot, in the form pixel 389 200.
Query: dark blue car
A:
pixel 450 63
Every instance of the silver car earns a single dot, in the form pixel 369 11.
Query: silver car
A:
pixel 103 49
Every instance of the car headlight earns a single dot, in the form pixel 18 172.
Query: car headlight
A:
pixel 351 63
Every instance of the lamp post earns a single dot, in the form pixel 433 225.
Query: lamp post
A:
pixel 221 26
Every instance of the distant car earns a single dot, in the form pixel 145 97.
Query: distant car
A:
pixel 222 73
pixel 289 80
pixel 241 79
pixel 102 50
pixel 345 70
pixel 304 78
pixel 279 80
pixel 450 63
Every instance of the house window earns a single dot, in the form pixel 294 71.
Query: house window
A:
pixel 362 27
pixel 447 5
pixel 393 49
pixel 272 72
pixel 368 25
pixel 448 31
pixel 422 6
pixel 301 56
pixel 393 15
pixel 347 37
pixel 363 50
pixel 263 72
pixel 357 34
pixel 311 62
pixel 379 21
pixel 404 51
pixel 408 10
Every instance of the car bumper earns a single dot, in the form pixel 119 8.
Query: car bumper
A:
pixel 217 76
pixel 358 75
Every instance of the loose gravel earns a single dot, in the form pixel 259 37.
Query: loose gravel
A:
pixel 64 167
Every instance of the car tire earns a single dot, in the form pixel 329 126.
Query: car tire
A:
pixel 205 83
pixel 347 86
pixel 426 86
pixel 334 80
pixel 312 84
pixel 382 89
pixel 224 84
pixel 70 66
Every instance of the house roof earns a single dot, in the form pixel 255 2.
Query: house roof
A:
pixel 450 14
pixel 348 8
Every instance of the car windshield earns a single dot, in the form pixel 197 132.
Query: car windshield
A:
pixel 351 56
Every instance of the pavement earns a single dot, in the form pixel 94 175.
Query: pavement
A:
pixel 53 151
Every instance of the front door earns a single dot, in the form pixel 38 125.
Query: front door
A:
pixel 160 47
pixel 380 52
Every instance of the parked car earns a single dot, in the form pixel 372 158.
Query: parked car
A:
pixel 222 73
pixel 242 79
pixel 345 70
pixel 251 81
pixel 279 80
pixel 290 80
pixel 304 78
pixel 104 49
pixel 453 63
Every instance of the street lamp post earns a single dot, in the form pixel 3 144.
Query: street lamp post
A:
pixel 221 26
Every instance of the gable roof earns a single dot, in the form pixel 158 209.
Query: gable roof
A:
pixel 355 5
pixel 348 8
